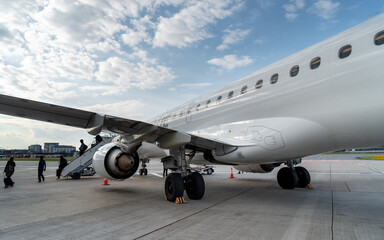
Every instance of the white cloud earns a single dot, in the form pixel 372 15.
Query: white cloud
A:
pixel 140 33
pixel 259 41
pixel 132 109
pixel 265 4
pixel 195 85
pixel 325 9
pixel 55 50
pixel 230 62
pixel 232 37
pixel 190 24
pixel 127 74
pixel 19 133
pixel 30 82
pixel 292 8
pixel 83 21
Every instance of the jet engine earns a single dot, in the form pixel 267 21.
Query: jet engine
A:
pixel 257 168
pixel 113 161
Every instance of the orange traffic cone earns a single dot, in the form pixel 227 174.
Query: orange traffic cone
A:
pixel 105 182
pixel 232 173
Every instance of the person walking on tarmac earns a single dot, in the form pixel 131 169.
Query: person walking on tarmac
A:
pixel 42 167
pixel 82 147
pixel 62 164
pixel 8 171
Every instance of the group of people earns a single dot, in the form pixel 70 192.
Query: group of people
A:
pixel 42 166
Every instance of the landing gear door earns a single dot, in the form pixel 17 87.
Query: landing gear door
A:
pixel 189 113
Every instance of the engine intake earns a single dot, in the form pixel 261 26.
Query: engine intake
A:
pixel 111 162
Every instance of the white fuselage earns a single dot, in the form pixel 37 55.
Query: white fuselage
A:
pixel 336 106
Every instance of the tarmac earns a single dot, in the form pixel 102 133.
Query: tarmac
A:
pixel 346 202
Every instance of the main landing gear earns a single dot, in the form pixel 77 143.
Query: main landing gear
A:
pixel 180 180
pixel 290 177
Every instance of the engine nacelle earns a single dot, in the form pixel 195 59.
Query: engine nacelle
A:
pixel 256 168
pixel 111 162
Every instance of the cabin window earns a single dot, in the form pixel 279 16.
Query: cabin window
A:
pixel 181 113
pixel 207 103
pixel 379 38
pixel 259 84
pixel 274 78
pixel 294 71
pixel 218 99
pixel 345 51
pixel 244 89
pixel 197 107
pixel 315 63
pixel 230 95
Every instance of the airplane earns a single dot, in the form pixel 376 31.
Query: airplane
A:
pixel 324 98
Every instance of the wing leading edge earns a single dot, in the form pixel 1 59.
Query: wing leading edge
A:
pixel 95 123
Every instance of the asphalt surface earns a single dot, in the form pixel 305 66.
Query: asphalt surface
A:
pixel 346 202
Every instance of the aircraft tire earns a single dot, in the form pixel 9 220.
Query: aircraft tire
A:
pixel 174 186
pixel 76 175
pixel 304 177
pixel 209 171
pixel 141 171
pixel 287 178
pixel 195 186
pixel 145 172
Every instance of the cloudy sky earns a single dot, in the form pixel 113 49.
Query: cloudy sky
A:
pixel 138 58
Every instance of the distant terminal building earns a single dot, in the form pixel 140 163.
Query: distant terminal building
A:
pixel 56 148
pixel 35 148
pixel 48 147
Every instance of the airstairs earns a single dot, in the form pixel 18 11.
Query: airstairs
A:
pixel 81 165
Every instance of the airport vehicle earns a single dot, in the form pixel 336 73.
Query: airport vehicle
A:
pixel 324 98
pixel 206 169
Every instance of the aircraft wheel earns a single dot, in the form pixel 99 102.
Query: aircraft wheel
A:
pixel 287 178
pixel 141 171
pixel 145 172
pixel 195 186
pixel 209 171
pixel 174 186
pixel 304 177
pixel 76 175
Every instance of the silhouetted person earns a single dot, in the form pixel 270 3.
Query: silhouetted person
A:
pixel 8 171
pixel 82 147
pixel 62 164
pixel 41 169
pixel 99 139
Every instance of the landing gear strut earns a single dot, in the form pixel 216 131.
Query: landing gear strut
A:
pixel 291 177
pixel 180 180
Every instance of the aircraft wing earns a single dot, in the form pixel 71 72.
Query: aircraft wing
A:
pixel 95 123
